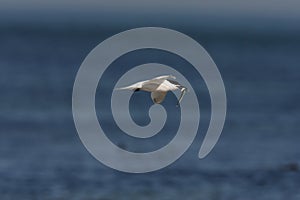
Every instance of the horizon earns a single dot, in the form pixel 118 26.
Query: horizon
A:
pixel 271 13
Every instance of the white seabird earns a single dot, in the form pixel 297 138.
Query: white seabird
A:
pixel 158 86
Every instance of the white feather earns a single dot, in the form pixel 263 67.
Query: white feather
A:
pixel 158 86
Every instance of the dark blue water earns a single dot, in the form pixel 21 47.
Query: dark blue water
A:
pixel 41 156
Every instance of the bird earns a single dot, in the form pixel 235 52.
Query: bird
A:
pixel 159 87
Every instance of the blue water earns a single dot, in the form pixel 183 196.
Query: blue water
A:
pixel 42 157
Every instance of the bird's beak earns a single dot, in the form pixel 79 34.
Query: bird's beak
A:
pixel 183 91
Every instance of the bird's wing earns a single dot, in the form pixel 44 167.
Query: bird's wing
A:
pixel 151 85
pixel 169 85
pixel 135 86
pixel 173 85
pixel 155 83
pixel 158 97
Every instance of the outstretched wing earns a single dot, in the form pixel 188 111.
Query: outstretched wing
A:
pixel 156 84
pixel 135 86
pixel 175 84
pixel 148 85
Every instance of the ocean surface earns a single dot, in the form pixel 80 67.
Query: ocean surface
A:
pixel 42 157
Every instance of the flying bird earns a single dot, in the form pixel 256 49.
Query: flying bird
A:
pixel 158 86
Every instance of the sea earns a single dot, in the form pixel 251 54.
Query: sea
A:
pixel 42 156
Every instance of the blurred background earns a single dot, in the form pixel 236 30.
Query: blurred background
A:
pixel 256 46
